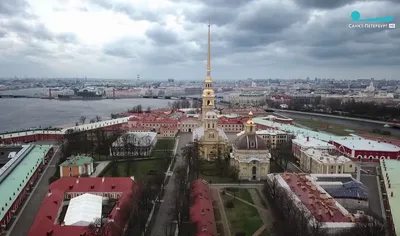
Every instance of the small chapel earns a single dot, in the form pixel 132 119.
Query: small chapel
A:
pixel 250 154
pixel 211 138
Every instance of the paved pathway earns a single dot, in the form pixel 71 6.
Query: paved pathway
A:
pixel 99 168
pixel 27 214
pixel 265 215
pixel 164 216
pixel 216 196
pixel 260 230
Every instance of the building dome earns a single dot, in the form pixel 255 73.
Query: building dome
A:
pixel 211 115
pixel 250 142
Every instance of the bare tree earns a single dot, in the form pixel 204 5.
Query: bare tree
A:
pixel 93 120
pixel 366 226
pixel 82 119
pixel 181 192
pixel 98 118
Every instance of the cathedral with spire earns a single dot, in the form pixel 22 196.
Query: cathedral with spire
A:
pixel 211 138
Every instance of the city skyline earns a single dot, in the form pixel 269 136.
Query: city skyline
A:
pixel 168 39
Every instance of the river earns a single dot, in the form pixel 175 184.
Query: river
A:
pixel 22 113
pixel 349 123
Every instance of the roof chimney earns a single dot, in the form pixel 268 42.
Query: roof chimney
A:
pixel 204 228
pixel 102 180
pixel 49 217
pixel 391 194
pixel 91 186
pixel 308 139
pixel 202 212
pixel 77 180
pixel 112 186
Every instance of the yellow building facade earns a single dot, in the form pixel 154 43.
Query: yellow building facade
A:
pixel 250 154
pixel 211 138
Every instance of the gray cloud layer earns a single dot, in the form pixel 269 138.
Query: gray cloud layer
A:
pixel 264 37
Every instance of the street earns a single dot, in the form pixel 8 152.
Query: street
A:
pixel 27 214
pixel 163 216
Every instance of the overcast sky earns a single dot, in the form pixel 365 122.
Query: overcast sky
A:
pixel 161 39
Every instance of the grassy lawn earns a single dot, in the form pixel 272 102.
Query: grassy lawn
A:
pixel 159 153
pixel 138 169
pixel 165 144
pixel 209 172
pixel 337 129
pixel 240 193
pixel 242 217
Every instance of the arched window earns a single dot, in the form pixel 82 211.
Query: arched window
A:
pixel 213 125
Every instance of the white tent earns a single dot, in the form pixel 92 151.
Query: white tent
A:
pixel 83 210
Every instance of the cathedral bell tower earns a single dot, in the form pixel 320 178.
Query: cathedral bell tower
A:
pixel 208 91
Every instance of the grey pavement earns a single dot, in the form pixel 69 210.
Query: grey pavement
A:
pixel 374 198
pixel 24 220
pixel 99 168
pixel 163 217
pixel 216 196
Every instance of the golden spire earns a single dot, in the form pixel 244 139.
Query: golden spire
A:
pixel 209 52
pixel 250 120
pixel 208 77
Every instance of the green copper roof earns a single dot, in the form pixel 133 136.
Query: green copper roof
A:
pixel 393 169
pixel 77 161
pixel 15 181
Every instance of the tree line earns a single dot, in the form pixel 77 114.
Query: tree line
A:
pixel 351 108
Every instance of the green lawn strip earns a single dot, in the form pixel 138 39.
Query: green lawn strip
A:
pixel 215 178
pixel 165 144
pixel 138 169
pixel 341 130
pixel 242 217
pixel 241 193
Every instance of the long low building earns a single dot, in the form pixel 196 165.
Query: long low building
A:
pixel 364 149
pixel 202 211
pixel 391 180
pixel 314 201
pixel 72 204
pixel 18 176
pixel 134 144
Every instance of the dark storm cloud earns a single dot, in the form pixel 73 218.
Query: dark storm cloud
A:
pixel 128 9
pixel 13 7
pixel 33 30
pixel 324 4
pixel 124 48
pixel 215 15
pixel 162 36
pixel 217 3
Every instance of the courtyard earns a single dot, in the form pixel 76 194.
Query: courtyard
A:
pixel 240 210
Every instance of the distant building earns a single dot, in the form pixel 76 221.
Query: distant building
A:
pixel 248 99
pixel 202 216
pixel 18 176
pixel 7 152
pixel 134 144
pixel 77 166
pixel 317 161
pixel 81 200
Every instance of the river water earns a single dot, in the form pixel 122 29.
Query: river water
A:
pixel 22 113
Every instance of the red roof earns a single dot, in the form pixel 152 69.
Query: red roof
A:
pixel 46 217
pixel 321 205
pixel 202 211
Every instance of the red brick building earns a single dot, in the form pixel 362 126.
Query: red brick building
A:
pixel 122 190
pixel 364 149
pixel 202 212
